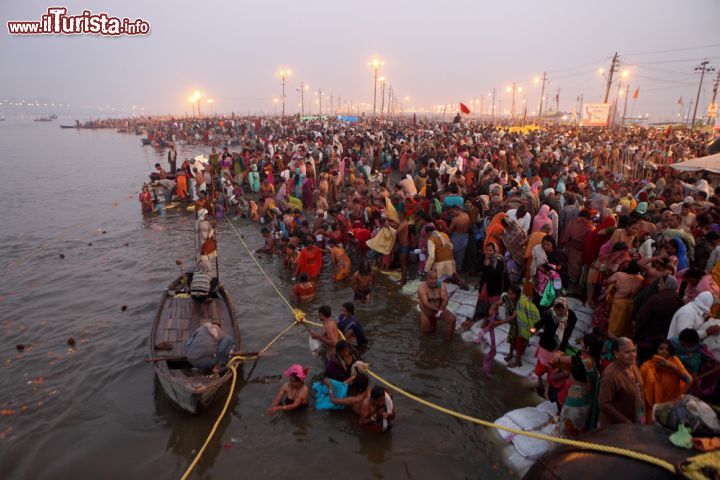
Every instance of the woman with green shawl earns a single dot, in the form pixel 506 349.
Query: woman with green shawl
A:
pixel 521 315
pixel 579 413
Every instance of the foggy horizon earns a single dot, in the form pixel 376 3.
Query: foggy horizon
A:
pixel 433 53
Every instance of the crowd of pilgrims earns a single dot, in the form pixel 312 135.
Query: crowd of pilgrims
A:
pixel 526 217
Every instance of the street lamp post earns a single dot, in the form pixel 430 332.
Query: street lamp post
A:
pixel 624 74
pixel 375 64
pixel 302 90
pixel 513 89
pixel 382 96
pixel 284 74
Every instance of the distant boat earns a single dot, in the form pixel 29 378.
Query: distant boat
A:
pixel 52 117
pixel 69 126
pixel 43 119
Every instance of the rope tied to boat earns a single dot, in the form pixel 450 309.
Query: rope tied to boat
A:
pixel 299 318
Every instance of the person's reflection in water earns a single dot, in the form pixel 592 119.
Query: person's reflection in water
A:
pixel 376 448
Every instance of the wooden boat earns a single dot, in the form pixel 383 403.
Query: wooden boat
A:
pixel 155 176
pixel 177 318
pixel 69 126
pixel 43 119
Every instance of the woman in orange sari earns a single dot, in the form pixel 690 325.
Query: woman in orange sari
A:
pixel 494 232
pixel 181 189
pixel 664 376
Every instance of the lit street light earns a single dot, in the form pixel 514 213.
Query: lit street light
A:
pixel 375 64
pixel 284 74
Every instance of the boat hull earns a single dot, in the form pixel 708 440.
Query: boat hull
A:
pixel 178 316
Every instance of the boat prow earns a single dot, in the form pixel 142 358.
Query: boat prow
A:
pixel 177 317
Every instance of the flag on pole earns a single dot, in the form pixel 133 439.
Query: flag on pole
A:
pixel 464 109
pixel 637 92
pixel 680 101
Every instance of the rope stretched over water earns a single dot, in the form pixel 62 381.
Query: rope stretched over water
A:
pixel 300 318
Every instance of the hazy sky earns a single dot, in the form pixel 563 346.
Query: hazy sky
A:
pixel 434 51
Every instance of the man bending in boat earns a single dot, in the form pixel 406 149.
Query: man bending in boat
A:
pixel 203 284
pixel 209 347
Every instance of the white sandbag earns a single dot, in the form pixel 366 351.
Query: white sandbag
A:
pixel 452 305
pixel 467 311
pixel 476 327
pixel 529 418
pixel 548 407
pixel 468 336
pixel 459 320
pixel 533 448
pixel 516 461
pixel 506 422
pixel 411 287
pixel 451 288
pixel 466 298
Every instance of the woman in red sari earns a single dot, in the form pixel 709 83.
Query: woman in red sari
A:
pixel 597 238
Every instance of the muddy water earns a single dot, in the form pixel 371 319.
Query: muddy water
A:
pixel 96 411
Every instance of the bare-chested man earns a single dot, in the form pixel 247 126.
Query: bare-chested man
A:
pixel 434 298
pixel 330 333
pixel 627 285
pixel 362 282
pixel 403 239
pixel 373 406
pixel 458 230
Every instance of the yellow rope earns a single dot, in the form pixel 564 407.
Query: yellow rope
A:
pixel 215 426
pixel 540 436
pixel 267 277
pixel 300 318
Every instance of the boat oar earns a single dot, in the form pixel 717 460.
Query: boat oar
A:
pixel 243 354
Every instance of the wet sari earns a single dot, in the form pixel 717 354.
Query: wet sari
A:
pixel 580 410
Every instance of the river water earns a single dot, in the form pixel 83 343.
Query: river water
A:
pixel 96 411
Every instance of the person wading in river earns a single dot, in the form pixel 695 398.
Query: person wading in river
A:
pixel 293 394
pixel 433 298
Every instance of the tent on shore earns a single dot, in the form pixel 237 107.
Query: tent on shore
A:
pixel 710 164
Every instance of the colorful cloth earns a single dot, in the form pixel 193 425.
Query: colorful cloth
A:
pixel 662 384
pixel 322 394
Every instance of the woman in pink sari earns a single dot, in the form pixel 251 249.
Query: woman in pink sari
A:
pixel 542 218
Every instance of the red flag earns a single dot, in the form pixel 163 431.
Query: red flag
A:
pixel 637 92
pixel 464 109
pixel 680 101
